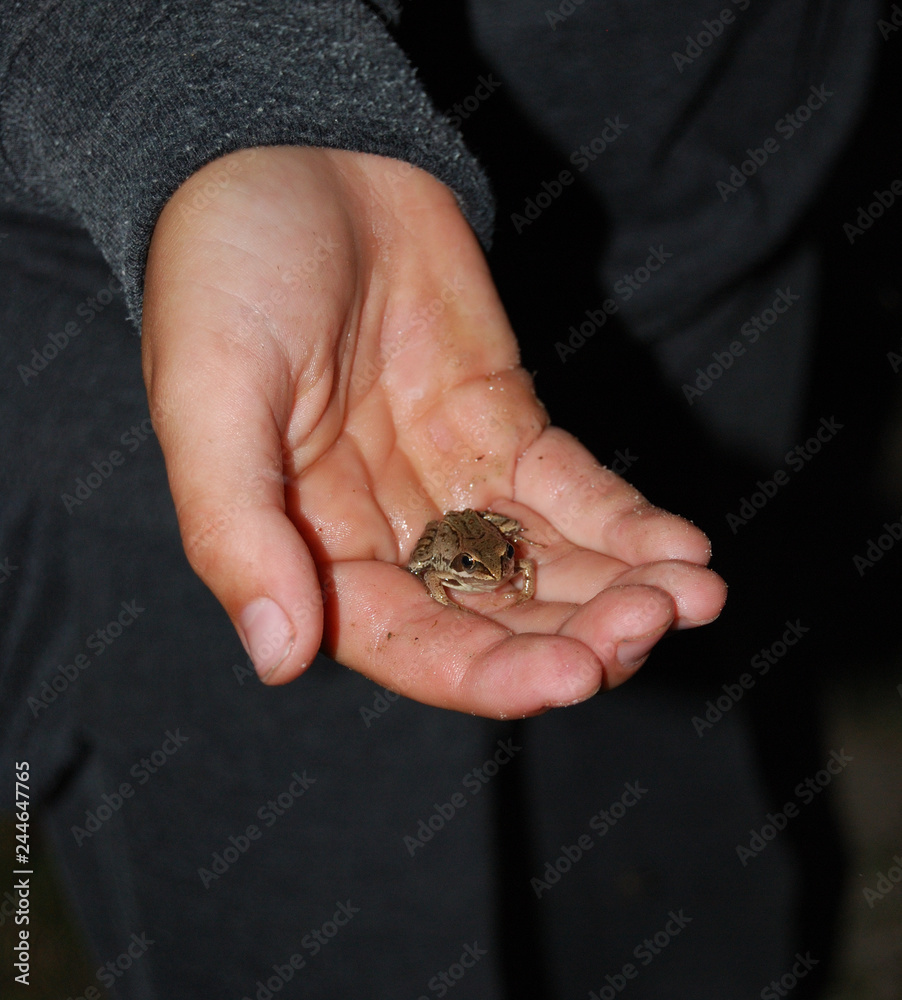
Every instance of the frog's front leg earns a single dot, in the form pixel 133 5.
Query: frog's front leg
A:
pixel 435 585
pixel 528 568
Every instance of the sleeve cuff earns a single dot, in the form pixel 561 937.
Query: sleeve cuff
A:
pixel 109 107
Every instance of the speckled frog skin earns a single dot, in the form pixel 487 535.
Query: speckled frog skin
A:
pixel 471 551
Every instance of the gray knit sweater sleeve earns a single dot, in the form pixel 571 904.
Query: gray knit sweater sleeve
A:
pixel 107 106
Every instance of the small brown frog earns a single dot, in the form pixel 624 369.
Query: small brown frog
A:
pixel 472 551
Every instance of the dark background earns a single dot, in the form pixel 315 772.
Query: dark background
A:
pixel 850 668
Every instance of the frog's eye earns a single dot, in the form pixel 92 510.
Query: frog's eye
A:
pixel 466 562
pixel 510 552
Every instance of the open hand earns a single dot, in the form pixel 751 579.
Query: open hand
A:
pixel 329 368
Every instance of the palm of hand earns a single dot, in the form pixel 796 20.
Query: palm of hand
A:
pixel 329 367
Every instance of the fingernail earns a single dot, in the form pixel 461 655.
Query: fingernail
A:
pixel 693 623
pixel 267 635
pixel 632 653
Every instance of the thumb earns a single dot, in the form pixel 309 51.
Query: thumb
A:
pixel 223 453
